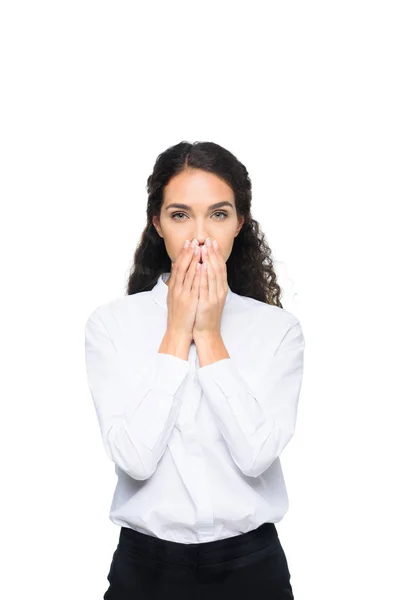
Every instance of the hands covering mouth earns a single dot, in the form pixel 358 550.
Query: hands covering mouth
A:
pixel 204 288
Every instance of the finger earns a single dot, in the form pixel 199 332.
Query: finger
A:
pixel 213 283
pixel 220 269
pixel 181 265
pixel 196 281
pixel 203 281
pixel 191 272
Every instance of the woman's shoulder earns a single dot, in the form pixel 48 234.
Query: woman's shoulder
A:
pixel 265 313
pixel 120 307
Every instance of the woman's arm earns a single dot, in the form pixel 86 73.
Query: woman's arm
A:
pixel 256 413
pixel 136 414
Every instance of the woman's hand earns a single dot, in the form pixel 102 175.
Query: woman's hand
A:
pixel 212 293
pixel 183 292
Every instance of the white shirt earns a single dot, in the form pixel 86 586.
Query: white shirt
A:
pixel 196 450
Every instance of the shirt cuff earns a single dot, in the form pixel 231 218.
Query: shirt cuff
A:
pixel 168 372
pixel 159 398
pixel 222 375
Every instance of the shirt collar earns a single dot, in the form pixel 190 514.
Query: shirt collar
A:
pixel 160 290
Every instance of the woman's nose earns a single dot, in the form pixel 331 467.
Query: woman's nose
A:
pixel 201 239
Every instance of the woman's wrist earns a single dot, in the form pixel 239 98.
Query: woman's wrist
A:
pixel 176 343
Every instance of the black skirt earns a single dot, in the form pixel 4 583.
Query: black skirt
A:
pixel 250 565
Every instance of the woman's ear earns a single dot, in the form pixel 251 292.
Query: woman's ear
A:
pixel 156 224
pixel 240 225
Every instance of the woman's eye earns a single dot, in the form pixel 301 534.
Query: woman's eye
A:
pixel 176 214
pixel 216 213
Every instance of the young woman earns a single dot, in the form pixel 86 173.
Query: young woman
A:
pixel 195 375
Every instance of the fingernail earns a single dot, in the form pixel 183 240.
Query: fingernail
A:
pixel 194 242
pixel 208 241
pixel 215 244
pixel 186 244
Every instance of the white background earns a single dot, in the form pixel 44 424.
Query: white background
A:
pixel 306 95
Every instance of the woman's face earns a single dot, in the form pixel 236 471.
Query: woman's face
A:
pixel 198 191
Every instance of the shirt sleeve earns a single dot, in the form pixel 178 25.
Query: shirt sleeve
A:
pixel 256 410
pixel 136 412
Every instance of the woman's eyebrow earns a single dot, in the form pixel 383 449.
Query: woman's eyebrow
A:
pixel 189 208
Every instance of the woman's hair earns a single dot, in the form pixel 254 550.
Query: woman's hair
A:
pixel 250 270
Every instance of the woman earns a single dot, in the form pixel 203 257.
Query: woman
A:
pixel 195 375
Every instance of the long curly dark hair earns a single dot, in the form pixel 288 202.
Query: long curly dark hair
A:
pixel 250 275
